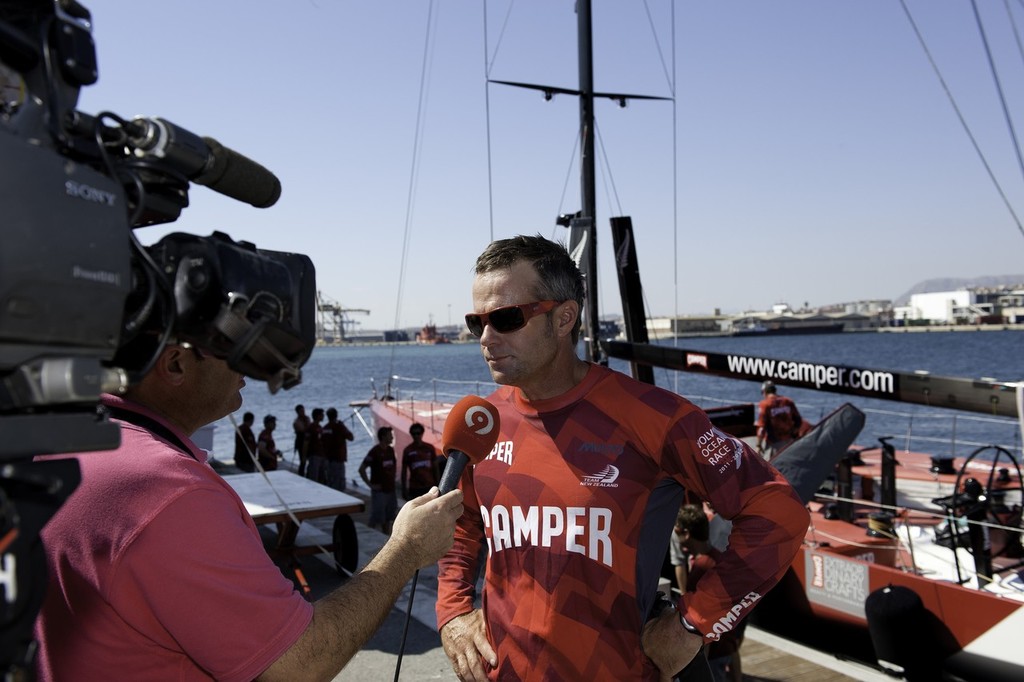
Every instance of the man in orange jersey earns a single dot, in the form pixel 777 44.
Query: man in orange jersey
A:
pixel 578 498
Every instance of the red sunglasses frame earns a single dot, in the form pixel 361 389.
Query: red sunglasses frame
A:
pixel 528 310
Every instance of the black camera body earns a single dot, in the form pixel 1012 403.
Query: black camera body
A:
pixel 84 307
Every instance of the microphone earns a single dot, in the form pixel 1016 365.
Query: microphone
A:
pixel 205 161
pixel 470 432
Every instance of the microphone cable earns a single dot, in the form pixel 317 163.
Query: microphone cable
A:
pixel 405 630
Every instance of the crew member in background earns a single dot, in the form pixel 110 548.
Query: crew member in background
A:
pixel 245 444
pixel 778 421
pixel 335 436
pixel 158 571
pixel 419 465
pixel 266 448
pixel 300 426
pixel 577 500
pixel 693 555
pixel 316 465
pixel 381 463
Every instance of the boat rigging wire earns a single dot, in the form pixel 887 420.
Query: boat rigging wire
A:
pixel 611 193
pixel 428 47
pixel 1013 25
pixel 959 114
pixel 488 58
pixel 670 78
pixel 568 173
pixel 675 188
pixel 999 85
pixel 428 44
pixel 488 65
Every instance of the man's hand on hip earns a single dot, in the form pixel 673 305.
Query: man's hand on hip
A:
pixel 465 642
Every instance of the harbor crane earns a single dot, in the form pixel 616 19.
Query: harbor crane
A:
pixel 332 319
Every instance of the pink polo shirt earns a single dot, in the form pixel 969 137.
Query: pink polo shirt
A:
pixel 158 572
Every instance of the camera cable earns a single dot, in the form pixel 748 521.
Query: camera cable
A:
pixel 405 630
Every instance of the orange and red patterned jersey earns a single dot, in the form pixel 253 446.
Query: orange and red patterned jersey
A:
pixel 777 418
pixel 576 503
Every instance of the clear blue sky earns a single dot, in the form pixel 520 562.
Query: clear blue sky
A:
pixel 818 158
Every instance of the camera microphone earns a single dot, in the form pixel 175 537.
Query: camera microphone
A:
pixel 205 161
pixel 470 432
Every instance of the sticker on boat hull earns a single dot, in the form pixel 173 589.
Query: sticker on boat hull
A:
pixel 836 582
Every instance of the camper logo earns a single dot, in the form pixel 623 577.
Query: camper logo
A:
pixel 696 360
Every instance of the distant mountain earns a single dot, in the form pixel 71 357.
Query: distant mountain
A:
pixel 953 283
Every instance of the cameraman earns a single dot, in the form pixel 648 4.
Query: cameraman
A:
pixel 157 570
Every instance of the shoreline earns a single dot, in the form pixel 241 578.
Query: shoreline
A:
pixel 655 336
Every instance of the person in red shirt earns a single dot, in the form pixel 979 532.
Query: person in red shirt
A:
pixel 266 448
pixel 419 465
pixel 335 435
pixel 778 421
pixel 381 462
pixel 576 502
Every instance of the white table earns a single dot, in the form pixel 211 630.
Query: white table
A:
pixel 305 499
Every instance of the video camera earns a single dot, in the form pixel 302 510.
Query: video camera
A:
pixel 84 307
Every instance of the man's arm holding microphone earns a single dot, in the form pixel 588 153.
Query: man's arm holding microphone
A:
pixel 345 619
pixel 423 532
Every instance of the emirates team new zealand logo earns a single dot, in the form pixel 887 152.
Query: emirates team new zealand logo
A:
pixel 603 479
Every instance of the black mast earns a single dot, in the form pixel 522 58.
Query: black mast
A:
pixel 583 225
pixel 588 213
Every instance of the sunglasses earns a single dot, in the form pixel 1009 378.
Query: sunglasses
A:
pixel 507 319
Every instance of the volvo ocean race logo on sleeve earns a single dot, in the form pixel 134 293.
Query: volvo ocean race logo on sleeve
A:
pixel 720 449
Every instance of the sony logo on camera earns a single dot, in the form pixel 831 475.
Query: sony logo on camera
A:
pixel 101 276
pixel 89 193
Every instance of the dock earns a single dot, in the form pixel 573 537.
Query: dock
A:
pixel 767 657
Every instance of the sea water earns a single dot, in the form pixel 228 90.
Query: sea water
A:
pixel 339 376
